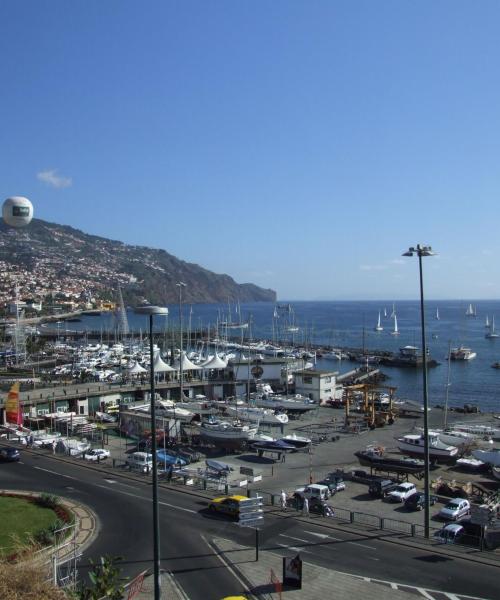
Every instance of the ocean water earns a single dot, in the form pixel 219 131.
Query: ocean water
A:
pixel 351 324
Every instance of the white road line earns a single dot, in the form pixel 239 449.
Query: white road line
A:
pixel 424 593
pixel 362 545
pixel 372 558
pixel 324 536
pixel 116 491
pixel 226 564
pixel 296 549
pixel 452 596
pixel 394 586
pixel 56 473
pixel 291 537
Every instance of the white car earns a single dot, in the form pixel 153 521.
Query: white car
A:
pixel 402 492
pixel 313 490
pixel 455 509
pixel 97 454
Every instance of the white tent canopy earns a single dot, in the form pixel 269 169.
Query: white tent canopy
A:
pixel 136 369
pixel 187 365
pixel 160 366
pixel 216 362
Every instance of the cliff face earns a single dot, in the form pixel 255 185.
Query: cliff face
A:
pixel 46 256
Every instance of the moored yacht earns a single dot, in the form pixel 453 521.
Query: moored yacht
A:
pixel 462 353
pixel 257 415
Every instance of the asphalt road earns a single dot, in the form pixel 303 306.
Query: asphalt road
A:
pixel 124 510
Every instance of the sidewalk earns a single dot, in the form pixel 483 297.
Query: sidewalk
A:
pixel 317 582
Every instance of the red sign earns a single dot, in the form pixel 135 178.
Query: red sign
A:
pixel 136 586
pixel 13 412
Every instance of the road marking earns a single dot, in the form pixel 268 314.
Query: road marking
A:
pixel 291 537
pixel 394 586
pixel 362 545
pixel 225 563
pixel 105 487
pixel 424 593
pixel 324 536
pixel 372 558
pixel 296 548
pixel 452 596
pixel 56 473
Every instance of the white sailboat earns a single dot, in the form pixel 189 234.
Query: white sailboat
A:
pixel 393 313
pixel 471 311
pixel 395 331
pixel 437 314
pixel 487 322
pixel 492 333
pixel 378 326
pixel 385 312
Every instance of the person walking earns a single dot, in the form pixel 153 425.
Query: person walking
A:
pixel 305 508
pixel 283 500
pixel 53 447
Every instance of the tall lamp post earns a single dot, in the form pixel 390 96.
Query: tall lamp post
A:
pixel 151 311
pixel 180 285
pixel 421 251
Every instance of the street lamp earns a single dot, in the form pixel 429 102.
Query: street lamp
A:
pixel 421 251
pixel 151 311
pixel 180 285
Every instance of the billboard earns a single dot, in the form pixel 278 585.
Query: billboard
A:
pixel 13 413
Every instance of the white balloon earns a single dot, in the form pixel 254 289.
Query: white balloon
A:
pixel 17 211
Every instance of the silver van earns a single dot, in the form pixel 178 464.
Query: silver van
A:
pixel 140 461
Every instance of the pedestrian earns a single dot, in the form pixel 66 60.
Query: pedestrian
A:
pixel 54 447
pixel 283 500
pixel 305 508
pixel 283 457
pixel 169 473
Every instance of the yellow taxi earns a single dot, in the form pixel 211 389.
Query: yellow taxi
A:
pixel 227 505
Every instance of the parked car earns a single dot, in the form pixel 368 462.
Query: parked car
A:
pixel 379 488
pixel 401 492
pixel 450 534
pixel 9 454
pixel 97 454
pixel 227 505
pixel 455 509
pixel 313 490
pixel 417 501
pixel 333 484
pixel 140 461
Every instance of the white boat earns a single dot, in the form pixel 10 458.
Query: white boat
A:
pixel 298 441
pixel 226 434
pixel 462 353
pixel 487 322
pixel 471 311
pixel 437 314
pixel 454 438
pixel 413 445
pixel 484 431
pixel 492 333
pixel 492 457
pixel 257 415
pixel 385 313
pixel 395 330
pixel 378 326
pixel 393 312
pixel 264 397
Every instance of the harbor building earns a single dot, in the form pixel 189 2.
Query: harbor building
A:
pixel 318 385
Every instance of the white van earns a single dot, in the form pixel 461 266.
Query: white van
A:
pixel 140 461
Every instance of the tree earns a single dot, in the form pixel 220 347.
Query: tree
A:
pixel 106 581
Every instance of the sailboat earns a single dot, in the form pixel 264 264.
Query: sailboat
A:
pixel 385 312
pixel 395 331
pixel 487 322
pixel 393 313
pixel 470 312
pixel 491 333
pixel 379 327
pixel 437 314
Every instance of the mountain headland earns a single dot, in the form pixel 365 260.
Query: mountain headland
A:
pixel 47 261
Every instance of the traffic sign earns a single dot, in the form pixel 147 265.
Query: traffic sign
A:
pixel 250 513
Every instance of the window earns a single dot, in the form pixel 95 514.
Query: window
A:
pixel 327 380
pixel 307 379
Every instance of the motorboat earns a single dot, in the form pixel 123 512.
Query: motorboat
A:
pixel 273 446
pixel 375 458
pixel 456 438
pixel 462 353
pixel 492 457
pixel 264 397
pixel 414 444
pixel 298 441
pixel 257 415
pixel 227 434
pixel 484 431
pixel 167 457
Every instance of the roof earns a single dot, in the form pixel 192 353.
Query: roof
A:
pixel 316 373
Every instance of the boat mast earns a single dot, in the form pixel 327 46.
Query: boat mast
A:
pixel 445 422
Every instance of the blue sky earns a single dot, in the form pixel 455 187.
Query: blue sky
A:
pixel 302 146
